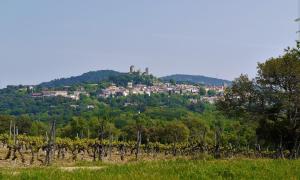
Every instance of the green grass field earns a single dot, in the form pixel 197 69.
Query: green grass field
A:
pixel 171 169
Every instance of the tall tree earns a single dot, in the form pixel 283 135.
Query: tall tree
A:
pixel 272 99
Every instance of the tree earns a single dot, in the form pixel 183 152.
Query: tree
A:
pixel 239 99
pixel 172 81
pixel 198 130
pixel 279 81
pixel 272 100
pixel 211 93
pixel 77 128
pixel 202 91
pixel 38 128
pixel 176 132
pixel 5 123
pixel 197 107
pixel 23 124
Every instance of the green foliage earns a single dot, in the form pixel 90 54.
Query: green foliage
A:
pixel 5 122
pixel 202 91
pixel 196 79
pixel 93 77
pixel 211 93
pixel 24 123
pixel 198 129
pixel 135 78
pixel 176 132
pixel 38 128
pixel 271 100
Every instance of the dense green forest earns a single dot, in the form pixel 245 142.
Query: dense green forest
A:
pixel 155 111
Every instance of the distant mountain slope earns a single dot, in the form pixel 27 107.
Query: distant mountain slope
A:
pixel 195 79
pixel 123 78
pixel 89 77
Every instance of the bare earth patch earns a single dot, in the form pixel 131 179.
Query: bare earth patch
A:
pixel 71 169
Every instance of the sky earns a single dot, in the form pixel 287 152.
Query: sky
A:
pixel 49 39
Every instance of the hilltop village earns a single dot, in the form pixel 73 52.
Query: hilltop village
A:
pixel 208 93
pixel 159 87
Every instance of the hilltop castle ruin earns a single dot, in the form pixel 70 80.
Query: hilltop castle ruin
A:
pixel 133 70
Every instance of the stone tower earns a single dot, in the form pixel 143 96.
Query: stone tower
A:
pixel 147 71
pixel 131 69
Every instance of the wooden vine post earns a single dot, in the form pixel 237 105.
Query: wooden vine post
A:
pixel 100 138
pixel 50 148
pixel 138 136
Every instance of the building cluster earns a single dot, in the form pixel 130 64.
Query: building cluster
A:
pixel 134 89
pixel 210 100
pixel 75 106
pixel 217 89
pixel 72 95
pixel 158 88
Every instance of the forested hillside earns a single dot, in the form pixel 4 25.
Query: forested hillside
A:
pixel 92 77
pixel 196 79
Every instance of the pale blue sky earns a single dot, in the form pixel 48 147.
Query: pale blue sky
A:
pixel 45 39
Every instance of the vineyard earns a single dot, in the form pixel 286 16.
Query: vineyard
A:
pixel 29 150
pixel 29 157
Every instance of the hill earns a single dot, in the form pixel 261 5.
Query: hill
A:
pixel 89 77
pixel 195 79
pixel 119 78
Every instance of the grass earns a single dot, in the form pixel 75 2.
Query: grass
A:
pixel 170 169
